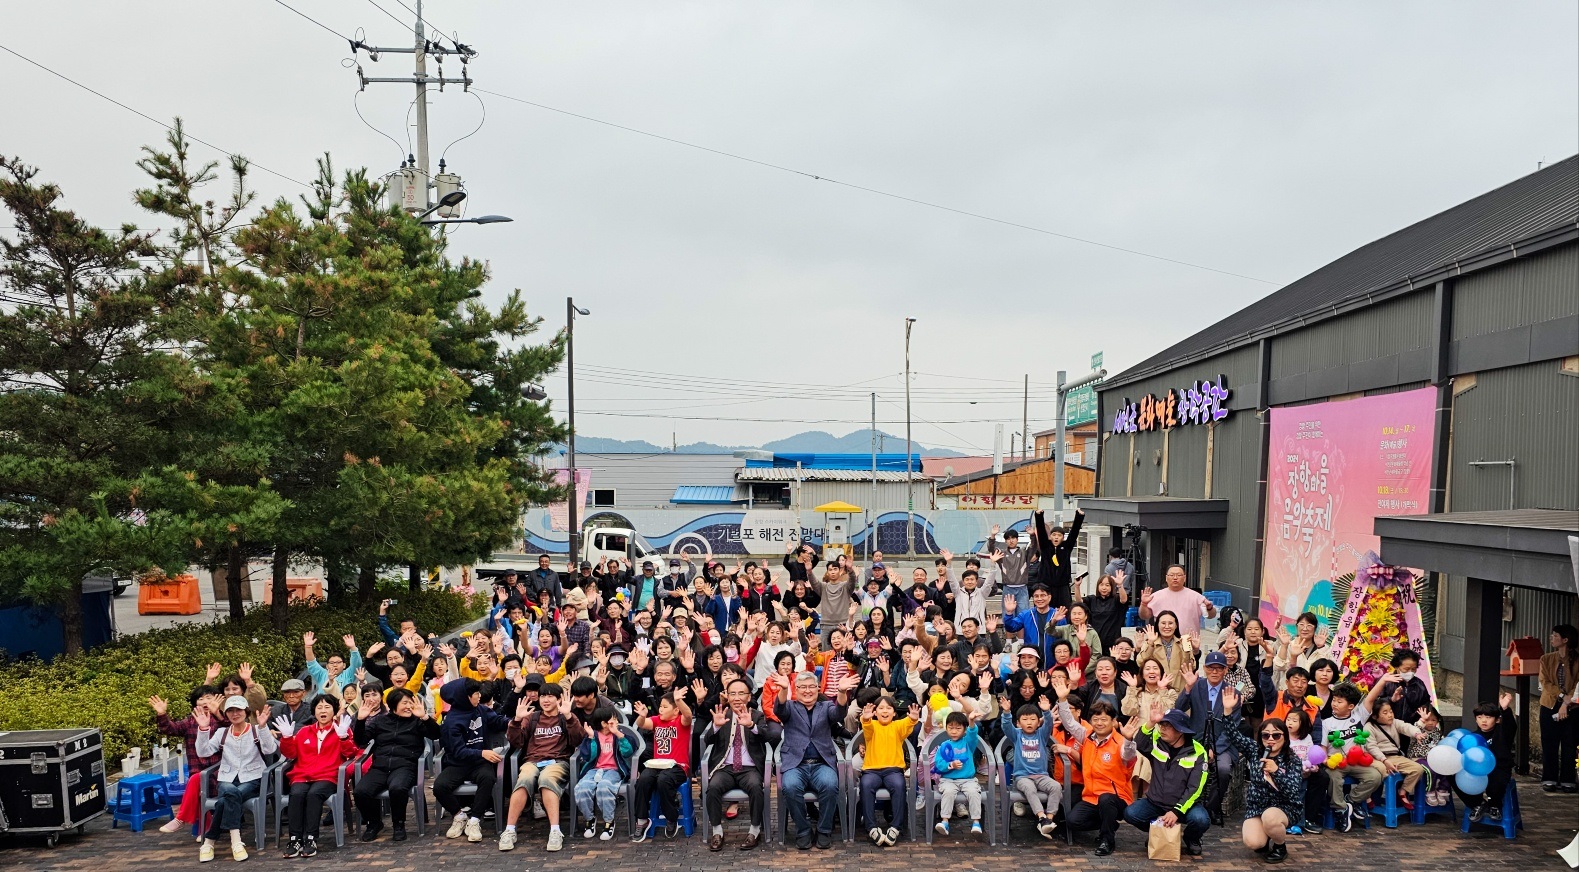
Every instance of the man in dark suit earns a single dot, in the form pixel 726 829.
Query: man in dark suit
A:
pixel 1202 701
pixel 737 738
pixel 811 723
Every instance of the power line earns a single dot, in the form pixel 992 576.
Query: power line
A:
pixel 815 176
pixel 392 15
pixel 146 116
pixel 867 421
pixel 313 20
pixel 881 193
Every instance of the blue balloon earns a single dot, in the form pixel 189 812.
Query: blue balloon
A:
pixel 1470 740
pixel 1479 761
pixel 1453 737
pixel 1471 784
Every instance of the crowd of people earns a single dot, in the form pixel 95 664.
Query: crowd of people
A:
pixel 586 682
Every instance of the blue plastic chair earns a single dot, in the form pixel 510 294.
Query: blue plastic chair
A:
pixel 687 810
pixel 1423 810
pixel 1512 821
pixel 1389 808
pixel 140 799
pixel 1365 822
pixel 1132 617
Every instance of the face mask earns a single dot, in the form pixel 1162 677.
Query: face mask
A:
pixel 1406 675
pixel 512 672
pixel 617 661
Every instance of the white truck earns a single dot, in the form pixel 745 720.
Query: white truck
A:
pixel 599 543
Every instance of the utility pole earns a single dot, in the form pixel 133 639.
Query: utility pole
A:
pixel 910 492
pixel 573 541
pixel 1058 439
pixel 871 534
pixel 1025 418
pixel 420 199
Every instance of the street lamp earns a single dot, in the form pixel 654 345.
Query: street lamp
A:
pixel 453 198
pixel 532 392
pixel 481 219
pixel 910 496
pixel 571 311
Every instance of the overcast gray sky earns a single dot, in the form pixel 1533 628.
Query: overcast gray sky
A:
pixel 1263 139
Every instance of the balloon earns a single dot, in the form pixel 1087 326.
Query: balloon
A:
pixel 937 701
pixel 1335 760
pixel 1471 784
pixel 1479 761
pixel 1355 757
pixel 1470 740
pixel 1444 759
pixel 1317 755
pixel 1453 737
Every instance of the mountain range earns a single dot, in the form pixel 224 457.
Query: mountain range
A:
pixel 809 442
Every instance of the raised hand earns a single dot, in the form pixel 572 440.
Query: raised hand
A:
pixel 640 708
pixel 350 641
pixel 245 671
pixel 1230 698
pixel 308 638
pixel 984 681
pixel 342 725
pixel 1041 680
pixel 914 712
pixel 992 622
pixel 1119 576
pixel 284 726
pixel 374 648
pixel 947 556
pixel 1009 606
pixel 522 709
pixel 1059 614
pixel 1505 699
pixel 1127 678
pixel 698 690
pixel 1155 714
pixel 159 705
pixel 1145 596
pixel 995 556
pixel 720 717
pixel 867 711
pixel 212 674
pixel 1042 702
pixel 418 708
pixel 849 683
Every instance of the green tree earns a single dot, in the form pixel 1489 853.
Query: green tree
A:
pixel 391 394
pixel 92 385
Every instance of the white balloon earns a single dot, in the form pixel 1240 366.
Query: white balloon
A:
pixel 1444 760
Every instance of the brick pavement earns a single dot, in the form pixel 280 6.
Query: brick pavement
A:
pixel 1550 821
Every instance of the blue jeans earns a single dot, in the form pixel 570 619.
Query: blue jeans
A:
pixel 818 778
pixel 1143 811
pixel 1022 599
pixel 600 786
pixel 233 798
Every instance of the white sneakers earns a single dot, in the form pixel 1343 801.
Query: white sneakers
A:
pixel 457 826
pixel 556 840
pixel 205 853
pixel 473 830
pixel 237 850
pixel 507 840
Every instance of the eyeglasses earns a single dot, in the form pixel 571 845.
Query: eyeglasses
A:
pixel 1271 735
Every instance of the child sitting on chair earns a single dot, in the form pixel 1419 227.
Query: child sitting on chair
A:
pixel 1497 726
pixel 955 765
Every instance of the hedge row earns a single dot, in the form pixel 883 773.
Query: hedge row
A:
pixel 108 687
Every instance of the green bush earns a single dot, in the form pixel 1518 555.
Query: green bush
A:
pixel 108 687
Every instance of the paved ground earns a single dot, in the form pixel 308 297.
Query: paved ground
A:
pixel 1550 822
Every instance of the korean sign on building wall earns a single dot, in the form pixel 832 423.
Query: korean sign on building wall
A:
pixel 1203 402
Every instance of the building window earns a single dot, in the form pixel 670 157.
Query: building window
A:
pixel 602 498
pixel 770 493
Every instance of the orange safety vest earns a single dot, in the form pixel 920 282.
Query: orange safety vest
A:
pixel 1061 737
pixel 1281 710
pixel 1105 768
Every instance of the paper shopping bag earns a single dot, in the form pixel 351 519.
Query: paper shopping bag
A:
pixel 1163 843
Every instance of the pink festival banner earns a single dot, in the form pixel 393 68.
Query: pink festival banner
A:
pixel 559 513
pixel 1332 468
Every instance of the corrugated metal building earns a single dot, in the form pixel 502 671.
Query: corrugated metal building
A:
pixel 649 481
pixel 1478 304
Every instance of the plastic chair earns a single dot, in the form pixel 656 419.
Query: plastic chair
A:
pixel 687 810
pixel 852 791
pixel 989 801
pixel 1008 795
pixel 780 821
pixel 337 802
pixel 1512 821
pixel 738 795
pixel 140 799
pixel 419 790
pixel 1424 810
pixel 469 788
pixel 638 748
pixel 258 806
pixel 1389 808
pixel 1365 822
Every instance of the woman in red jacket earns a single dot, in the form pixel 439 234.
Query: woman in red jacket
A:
pixel 319 748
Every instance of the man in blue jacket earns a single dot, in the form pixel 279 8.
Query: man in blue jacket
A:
pixel 1038 623
pixel 467 756
pixel 811 723
pixel 1202 700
